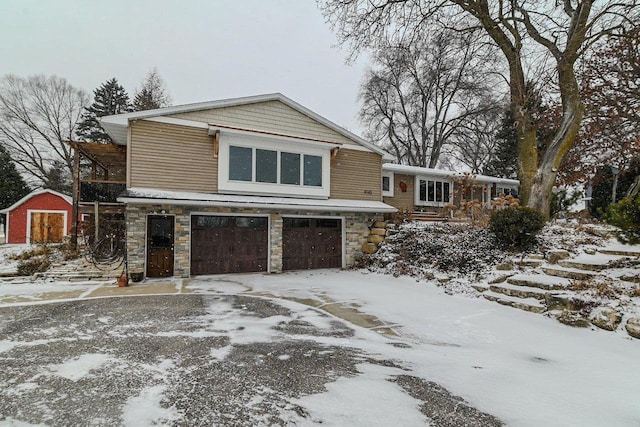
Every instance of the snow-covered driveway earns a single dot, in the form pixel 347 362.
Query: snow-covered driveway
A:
pixel 285 362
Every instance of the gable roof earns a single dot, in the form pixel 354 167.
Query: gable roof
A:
pixel 116 125
pixel 33 194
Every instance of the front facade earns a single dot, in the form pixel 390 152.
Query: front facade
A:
pixel 242 185
pixel 42 216
pixel 416 189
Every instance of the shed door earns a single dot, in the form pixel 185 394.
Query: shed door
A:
pixel 229 244
pixel 309 243
pixel 160 246
pixel 47 227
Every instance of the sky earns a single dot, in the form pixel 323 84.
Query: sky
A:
pixel 204 50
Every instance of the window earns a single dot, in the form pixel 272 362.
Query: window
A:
pixel 387 184
pixel 313 170
pixel 257 164
pixel 240 163
pixel 266 166
pixel 433 192
pixel 290 168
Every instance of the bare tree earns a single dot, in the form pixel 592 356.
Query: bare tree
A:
pixel 152 93
pixel 474 144
pixel 38 115
pixel 423 90
pixel 548 35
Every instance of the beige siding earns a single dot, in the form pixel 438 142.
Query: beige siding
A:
pixel 356 175
pixel 171 157
pixel 270 116
pixel 402 200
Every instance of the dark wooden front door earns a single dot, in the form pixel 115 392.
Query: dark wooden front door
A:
pixel 160 246
pixel 309 243
pixel 229 244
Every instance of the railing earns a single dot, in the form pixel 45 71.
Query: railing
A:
pixel 100 191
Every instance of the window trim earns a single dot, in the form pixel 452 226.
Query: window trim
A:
pixel 225 185
pixel 427 178
pixel 388 193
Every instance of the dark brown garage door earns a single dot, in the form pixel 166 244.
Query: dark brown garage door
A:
pixel 311 243
pixel 228 244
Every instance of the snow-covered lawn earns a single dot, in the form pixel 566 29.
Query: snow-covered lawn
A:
pixel 8 266
pixel 524 368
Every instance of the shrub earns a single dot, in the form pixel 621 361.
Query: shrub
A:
pixel 626 215
pixel 517 227
pixel 33 265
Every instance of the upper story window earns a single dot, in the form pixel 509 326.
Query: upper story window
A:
pixel 255 164
pixel 295 168
pixel 433 192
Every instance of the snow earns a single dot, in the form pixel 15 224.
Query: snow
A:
pixel 142 195
pixel 350 402
pixel 78 368
pixel 525 368
pixel 145 409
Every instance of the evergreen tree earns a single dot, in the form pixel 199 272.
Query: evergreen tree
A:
pixel 110 98
pixel 504 163
pixel 59 179
pixel 152 94
pixel 12 186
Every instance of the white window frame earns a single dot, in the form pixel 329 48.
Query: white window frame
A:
pixel 226 185
pixel 419 202
pixel 388 193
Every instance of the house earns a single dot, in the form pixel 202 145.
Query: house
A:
pixel 42 216
pixel 249 184
pixel 416 189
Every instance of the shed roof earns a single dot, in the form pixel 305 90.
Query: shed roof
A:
pixel 33 194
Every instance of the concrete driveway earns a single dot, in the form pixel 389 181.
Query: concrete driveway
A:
pixel 192 359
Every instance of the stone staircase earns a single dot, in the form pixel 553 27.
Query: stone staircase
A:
pixel 81 270
pixel 547 287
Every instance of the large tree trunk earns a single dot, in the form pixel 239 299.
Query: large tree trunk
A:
pixel 539 196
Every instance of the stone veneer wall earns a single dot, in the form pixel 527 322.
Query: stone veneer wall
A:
pixel 356 229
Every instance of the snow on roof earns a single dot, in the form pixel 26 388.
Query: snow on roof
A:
pixel 33 194
pixel 116 125
pixel 417 170
pixel 148 195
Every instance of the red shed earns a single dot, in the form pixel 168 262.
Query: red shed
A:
pixel 43 216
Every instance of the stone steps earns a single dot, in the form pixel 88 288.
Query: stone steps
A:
pixel 620 252
pixel 569 273
pixel 518 291
pixel 528 304
pixel 540 281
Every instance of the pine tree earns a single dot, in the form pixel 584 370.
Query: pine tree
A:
pixel 12 186
pixel 152 94
pixel 110 98
pixel 504 163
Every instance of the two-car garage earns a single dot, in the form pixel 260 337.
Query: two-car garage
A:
pixel 239 244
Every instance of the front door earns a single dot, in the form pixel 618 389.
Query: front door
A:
pixel 159 246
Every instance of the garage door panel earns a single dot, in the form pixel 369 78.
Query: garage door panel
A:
pixel 310 243
pixel 228 244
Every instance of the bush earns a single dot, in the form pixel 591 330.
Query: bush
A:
pixel 626 215
pixel 517 227
pixel 33 265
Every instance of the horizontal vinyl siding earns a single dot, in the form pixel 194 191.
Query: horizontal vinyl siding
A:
pixel 402 200
pixel 172 157
pixel 356 173
pixel 270 116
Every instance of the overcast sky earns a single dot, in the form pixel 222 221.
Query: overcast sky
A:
pixel 204 49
